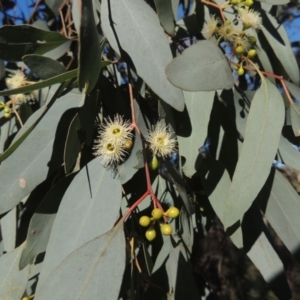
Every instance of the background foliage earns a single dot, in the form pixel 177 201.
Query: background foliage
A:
pixel 70 226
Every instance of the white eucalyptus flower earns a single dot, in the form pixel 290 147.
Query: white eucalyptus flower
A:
pixel 110 153
pixel 112 142
pixel 116 131
pixel 211 27
pixel 17 79
pixel 161 141
pixel 251 19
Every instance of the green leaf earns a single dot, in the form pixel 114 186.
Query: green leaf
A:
pixel 45 83
pixel 258 245
pixel 89 208
pixel 295 118
pixel 187 233
pixel 12 280
pixel 41 222
pixel 17 41
pixel 140 46
pixel 175 4
pixel 283 51
pixel 289 154
pixel 31 162
pixel 88 114
pixel 184 284
pixel 283 210
pixel 189 145
pixel 265 258
pixel 9 230
pixel 25 111
pixel 258 150
pixel 276 2
pixel 216 182
pixel 27 128
pixel 89 49
pixel 294 108
pixel 41 84
pixel 293 89
pixel 94 269
pixel 44 67
pixel 180 186
pixel 54 5
pixel 72 145
pixel 163 254
pixel 201 67
pixel 165 14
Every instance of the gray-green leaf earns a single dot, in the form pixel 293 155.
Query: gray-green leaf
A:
pixel 89 208
pixel 94 271
pixel 142 44
pixel 12 280
pixel 201 67
pixel 262 136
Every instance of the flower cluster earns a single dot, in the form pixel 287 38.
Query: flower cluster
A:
pixel 114 140
pixel 16 80
pixel 160 140
pixel 239 39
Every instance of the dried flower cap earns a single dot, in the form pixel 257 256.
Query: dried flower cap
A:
pixel 161 141
pixel 15 80
pixel 211 27
pixel 112 140
pixel 250 19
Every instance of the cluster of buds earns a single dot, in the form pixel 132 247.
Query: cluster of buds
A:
pixel 243 44
pixel 157 214
pixel 6 109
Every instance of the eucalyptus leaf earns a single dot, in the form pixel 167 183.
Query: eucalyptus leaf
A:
pixel 45 83
pixel 282 211
pixel 165 14
pixel 54 5
pixel 201 67
pixel 265 258
pixel 12 280
pixel 216 182
pixel 27 128
pixel 89 49
pixel 19 176
pixel 276 2
pixel 88 271
pixel 175 4
pixel 295 118
pixel 41 222
pixel 17 41
pixel 258 150
pixel 196 102
pixel 163 254
pixel 289 154
pixel 119 17
pixel 283 51
pixel 95 198
pixel 9 230
pixel 72 145
pixel 42 66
